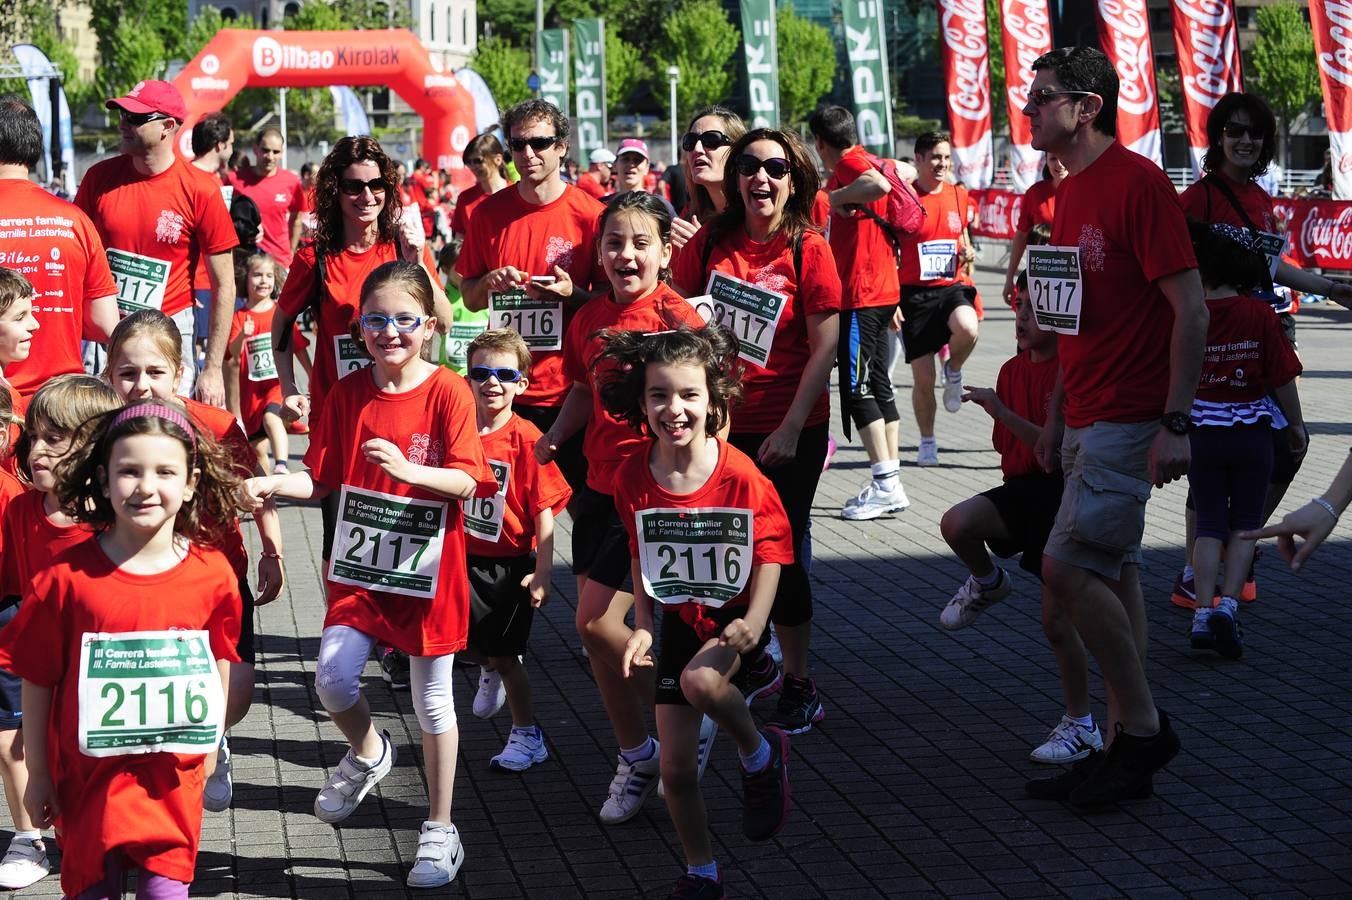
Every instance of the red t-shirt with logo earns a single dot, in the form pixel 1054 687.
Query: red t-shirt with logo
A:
pixel 863 251
pixel 55 246
pixel 1026 388
pixel 177 216
pixel 432 425
pixel 946 213
pixel 1123 214
pixel 278 196
pixel 256 396
pixel 768 391
pixel 507 231
pixel 608 439
pixel 1247 355
pixel 1203 201
pixel 1038 206
pixel 531 489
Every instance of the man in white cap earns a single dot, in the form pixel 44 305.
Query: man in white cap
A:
pixel 596 180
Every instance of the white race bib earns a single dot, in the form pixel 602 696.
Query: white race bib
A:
pixel 140 280
pixel 1055 288
pixel 483 515
pixel 149 692
pixel 749 311
pixel 388 543
pixel 458 338
pixel 695 555
pixel 348 355
pixel 258 354
pixel 1273 246
pixel 539 322
pixel 938 259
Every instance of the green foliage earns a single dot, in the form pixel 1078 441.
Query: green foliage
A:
pixel 316 15
pixel 204 28
pixel 504 69
pixel 512 21
pixel 996 49
pixel 807 65
pixel 699 38
pixel 39 28
pixel 624 72
pixel 135 41
pixel 909 126
pixel 1282 66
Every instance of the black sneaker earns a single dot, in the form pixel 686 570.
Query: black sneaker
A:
pixel 697 887
pixel 759 678
pixel 394 668
pixel 1127 767
pixel 799 707
pixel 765 794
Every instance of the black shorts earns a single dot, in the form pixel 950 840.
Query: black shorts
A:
pixel 328 514
pixel 677 644
pixel 11 685
pixel 925 312
pixel 1027 504
pixel 245 646
pixel 600 543
pixel 500 612
pixel 570 460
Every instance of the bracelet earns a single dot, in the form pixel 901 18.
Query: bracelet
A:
pixel 1328 507
pixel 266 555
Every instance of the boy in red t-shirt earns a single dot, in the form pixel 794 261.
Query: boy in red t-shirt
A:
pixel 508 579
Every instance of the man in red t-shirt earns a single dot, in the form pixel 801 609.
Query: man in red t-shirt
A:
pixel 596 180
pixel 54 245
pixel 1119 283
pixel 158 215
pixel 867 262
pixel 278 193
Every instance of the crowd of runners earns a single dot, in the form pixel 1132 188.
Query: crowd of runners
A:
pixel 652 362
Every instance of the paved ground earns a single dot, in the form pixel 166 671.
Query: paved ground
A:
pixel 913 784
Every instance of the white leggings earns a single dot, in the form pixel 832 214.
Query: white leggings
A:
pixel 343 653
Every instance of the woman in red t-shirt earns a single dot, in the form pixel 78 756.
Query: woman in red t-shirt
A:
pixel 773 282
pixel 485 157
pixel 1037 208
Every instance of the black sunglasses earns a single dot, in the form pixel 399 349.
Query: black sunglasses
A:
pixel 1239 130
pixel 775 167
pixel 138 119
pixel 483 373
pixel 1043 96
pixel 538 144
pixel 354 187
pixel 711 140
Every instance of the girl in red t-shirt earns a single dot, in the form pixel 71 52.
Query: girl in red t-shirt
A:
pixel 124 643
pixel 403 447
pixel 708 536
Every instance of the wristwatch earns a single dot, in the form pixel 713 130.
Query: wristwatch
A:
pixel 1179 423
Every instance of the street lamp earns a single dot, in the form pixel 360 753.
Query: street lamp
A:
pixel 673 76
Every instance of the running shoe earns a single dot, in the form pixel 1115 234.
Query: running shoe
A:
pixel 799 707
pixel 394 668
pixel 952 389
pixel 765 794
pixel 632 784
pixel 697 887
pixel 1250 591
pixel 1127 767
pixel 1185 593
pixel 1200 636
pixel 758 679
pixel 873 502
pixel 525 747
pixel 25 864
pixel 350 782
pixel 219 789
pixel 1069 742
pixel 439 856
pixel 1225 630
pixel 972 600
pixel 928 454
pixel 492 694
pixel 298 427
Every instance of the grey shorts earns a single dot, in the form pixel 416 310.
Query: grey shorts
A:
pixel 1102 515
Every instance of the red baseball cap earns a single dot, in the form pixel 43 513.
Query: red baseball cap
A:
pixel 152 97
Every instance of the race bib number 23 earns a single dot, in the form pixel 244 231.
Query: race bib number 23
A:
pixel 695 555
pixel 1055 288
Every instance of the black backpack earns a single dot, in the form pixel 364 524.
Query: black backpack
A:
pixel 244 213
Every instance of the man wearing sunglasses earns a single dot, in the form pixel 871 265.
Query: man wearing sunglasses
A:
pixel 159 217
pixel 1119 283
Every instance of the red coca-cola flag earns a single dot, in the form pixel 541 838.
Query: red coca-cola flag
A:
pixel 997 213
pixel 1124 33
pixel 1207 39
pixel 968 83
pixel 1027 34
pixel 1332 24
pixel 1319 232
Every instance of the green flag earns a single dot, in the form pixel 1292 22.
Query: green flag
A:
pixel 762 64
pixel 552 52
pixel 589 79
pixel 868 74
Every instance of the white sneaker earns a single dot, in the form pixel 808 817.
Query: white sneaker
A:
pixel 25 864
pixel 632 784
pixel 776 652
pixel 1069 742
pixel 708 730
pixel 220 787
pixel 928 455
pixel 439 856
pixel 351 782
pixel 952 390
pixel 492 694
pixel 525 747
pixel 872 503
pixel 971 600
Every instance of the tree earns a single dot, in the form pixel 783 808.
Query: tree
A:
pixel 700 40
pixel 205 26
pixel 136 40
pixel 1282 64
pixel 811 70
pixel 624 72
pixel 996 51
pixel 504 69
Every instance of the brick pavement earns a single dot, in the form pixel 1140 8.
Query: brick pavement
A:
pixel 913 784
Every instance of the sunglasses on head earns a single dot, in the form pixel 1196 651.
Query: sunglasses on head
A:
pixel 538 144
pixel 483 373
pixel 775 167
pixel 404 323
pixel 1239 130
pixel 139 119
pixel 1043 96
pixel 354 187
pixel 711 140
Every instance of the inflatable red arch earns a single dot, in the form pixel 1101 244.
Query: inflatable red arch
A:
pixel 393 58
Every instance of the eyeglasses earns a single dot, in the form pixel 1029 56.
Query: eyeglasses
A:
pixel 711 140
pixel 404 323
pixel 483 373
pixel 749 165
pixel 538 144
pixel 1239 130
pixel 136 120
pixel 354 187
pixel 473 160
pixel 1043 96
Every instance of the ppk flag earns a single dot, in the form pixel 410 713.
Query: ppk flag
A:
pixel 1027 34
pixel 967 80
pixel 867 54
pixel 1332 24
pixel 1207 39
pixel 762 62
pixel 589 79
pixel 1124 34
pixel 552 53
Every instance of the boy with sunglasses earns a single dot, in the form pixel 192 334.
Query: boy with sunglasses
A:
pixel 509 542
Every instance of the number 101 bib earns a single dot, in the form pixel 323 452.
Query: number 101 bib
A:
pixel 694 555
pixel 388 543
pixel 149 692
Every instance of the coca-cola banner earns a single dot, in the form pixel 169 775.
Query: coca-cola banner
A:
pixel 1208 61
pixel 1027 33
pixel 1332 24
pixel 1124 34
pixel 997 213
pixel 967 80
